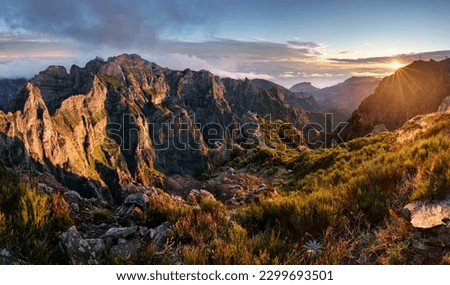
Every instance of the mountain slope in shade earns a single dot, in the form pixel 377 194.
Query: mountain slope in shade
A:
pixel 8 88
pixel 416 89
pixel 126 120
pixel 347 95
pixel 300 100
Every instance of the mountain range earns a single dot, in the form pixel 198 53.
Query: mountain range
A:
pixel 124 161
pixel 416 89
pixel 345 96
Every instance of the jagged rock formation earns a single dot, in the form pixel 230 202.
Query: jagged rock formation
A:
pixel 123 121
pixel 8 88
pixel 418 88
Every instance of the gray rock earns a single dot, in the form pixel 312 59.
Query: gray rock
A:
pixel 197 196
pixel 426 215
pixel 116 233
pixel 160 233
pixel 124 210
pixel 81 251
pixel 139 199
pixel 6 258
pixel 75 207
pixel 44 187
pixel 230 171
pixel 73 194
pixel 125 250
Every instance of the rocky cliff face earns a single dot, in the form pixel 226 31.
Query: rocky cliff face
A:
pixel 416 89
pixel 125 121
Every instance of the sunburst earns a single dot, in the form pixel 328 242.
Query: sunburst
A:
pixel 395 64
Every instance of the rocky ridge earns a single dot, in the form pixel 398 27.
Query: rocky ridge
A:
pixel 125 121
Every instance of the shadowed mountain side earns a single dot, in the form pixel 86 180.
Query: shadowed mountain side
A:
pixel 418 88
pixel 8 89
pixel 13 154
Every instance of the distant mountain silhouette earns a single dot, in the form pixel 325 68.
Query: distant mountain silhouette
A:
pixel 306 87
pixel 347 95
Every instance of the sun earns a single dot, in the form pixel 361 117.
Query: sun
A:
pixel 395 64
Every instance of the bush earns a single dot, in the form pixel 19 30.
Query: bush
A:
pixel 31 221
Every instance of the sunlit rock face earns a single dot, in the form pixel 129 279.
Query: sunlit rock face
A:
pixel 126 120
pixel 416 89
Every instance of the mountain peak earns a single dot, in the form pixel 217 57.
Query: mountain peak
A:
pixel 416 89
pixel 306 87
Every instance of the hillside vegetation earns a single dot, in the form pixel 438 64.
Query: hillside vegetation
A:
pixel 341 205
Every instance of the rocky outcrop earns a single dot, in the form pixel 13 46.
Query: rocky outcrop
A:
pixel 416 89
pixel 197 196
pixel 81 251
pixel 426 215
pixel 126 121
pixel 430 221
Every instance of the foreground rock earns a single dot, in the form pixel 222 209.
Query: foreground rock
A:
pixel 81 251
pixel 138 199
pixel 426 215
pixel 431 234
pixel 160 234
pixel 197 196
pixel 7 258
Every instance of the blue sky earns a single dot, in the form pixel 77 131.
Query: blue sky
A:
pixel 324 42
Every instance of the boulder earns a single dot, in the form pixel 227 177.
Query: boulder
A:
pixel 426 215
pixel 73 194
pixel 7 258
pixel 160 233
pixel 138 199
pixel 125 250
pixel 197 196
pixel 44 187
pixel 116 233
pixel 81 251
pixel 75 207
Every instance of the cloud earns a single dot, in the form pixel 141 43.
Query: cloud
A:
pixel 372 74
pixel 36 33
pixel 182 61
pixel 317 75
pixel 346 51
pixel 288 74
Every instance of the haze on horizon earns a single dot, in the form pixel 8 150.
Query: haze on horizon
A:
pixel 323 42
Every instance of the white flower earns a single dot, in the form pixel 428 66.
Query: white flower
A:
pixel 313 248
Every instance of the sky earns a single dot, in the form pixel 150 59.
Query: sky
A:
pixel 322 41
